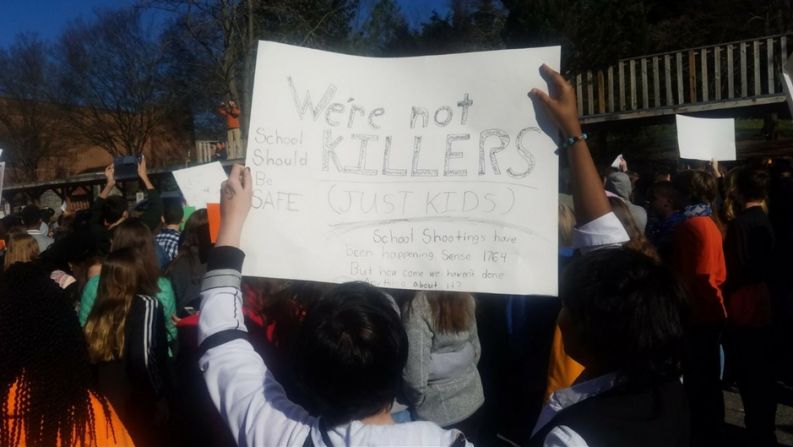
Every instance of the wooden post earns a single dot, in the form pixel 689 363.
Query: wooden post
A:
pixel 579 95
pixel 730 73
pixel 645 86
pixel 634 99
pixel 717 71
pixel 668 79
pixel 692 76
pixel 744 77
pixel 611 88
pixel 621 73
pixel 656 82
pixel 601 92
pixel 704 57
pixel 770 53
pixel 590 97
pixel 756 54
pixel 679 60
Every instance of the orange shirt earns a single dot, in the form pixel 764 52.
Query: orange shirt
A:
pixel 562 369
pixel 698 257
pixel 232 116
pixel 106 436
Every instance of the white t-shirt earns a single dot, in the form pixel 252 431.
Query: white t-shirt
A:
pixel 255 406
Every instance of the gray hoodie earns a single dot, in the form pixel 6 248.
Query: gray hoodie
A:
pixel 442 382
pixel 620 184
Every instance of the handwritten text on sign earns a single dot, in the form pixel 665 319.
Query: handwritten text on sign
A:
pixel 419 173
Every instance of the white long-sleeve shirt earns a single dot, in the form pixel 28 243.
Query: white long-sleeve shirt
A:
pixel 252 402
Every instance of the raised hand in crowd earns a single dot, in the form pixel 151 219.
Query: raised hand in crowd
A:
pixel 588 194
pixel 236 194
pixel 143 174
pixel 110 171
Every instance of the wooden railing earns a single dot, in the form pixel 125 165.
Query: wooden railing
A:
pixel 204 150
pixel 718 76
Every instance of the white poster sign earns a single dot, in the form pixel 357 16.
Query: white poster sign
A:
pixel 787 83
pixel 617 161
pixel 417 173
pixel 200 184
pixel 706 138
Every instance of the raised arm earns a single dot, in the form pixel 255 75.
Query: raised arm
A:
pixel 250 400
pixel 153 214
pixel 110 171
pixel 589 196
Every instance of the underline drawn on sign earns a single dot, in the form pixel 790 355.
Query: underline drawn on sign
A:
pixel 346 227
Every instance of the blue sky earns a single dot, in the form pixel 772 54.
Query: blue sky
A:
pixel 48 18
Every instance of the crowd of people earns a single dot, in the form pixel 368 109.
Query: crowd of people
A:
pixel 131 327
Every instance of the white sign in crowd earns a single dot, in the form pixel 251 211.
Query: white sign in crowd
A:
pixel 418 173
pixel 200 184
pixel 706 138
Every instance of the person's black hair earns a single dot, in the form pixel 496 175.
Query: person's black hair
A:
pixel 752 184
pixel 628 313
pixel 44 355
pixel 12 221
pixel 351 351
pixel 31 215
pixel 172 212
pixel 114 208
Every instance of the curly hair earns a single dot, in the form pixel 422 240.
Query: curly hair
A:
pixel 44 358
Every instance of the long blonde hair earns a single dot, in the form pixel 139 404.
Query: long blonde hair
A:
pixel 638 241
pixel 22 247
pixel 123 277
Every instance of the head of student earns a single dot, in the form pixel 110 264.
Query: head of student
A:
pixel 695 187
pixel 133 233
pixel 749 185
pixel 663 199
pixel 21 247
pixel 351 351
pixel 172 212
pixel 623 312
pixel 31 216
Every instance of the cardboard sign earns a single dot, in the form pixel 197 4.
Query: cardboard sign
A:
pixel 706 138
pixel 213 215
pixel 200 184
pixel 421 173
pixel 787 83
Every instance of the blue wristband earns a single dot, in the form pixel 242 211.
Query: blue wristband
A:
pixel 571 141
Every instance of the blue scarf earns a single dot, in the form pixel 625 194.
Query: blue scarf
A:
pixel 662 236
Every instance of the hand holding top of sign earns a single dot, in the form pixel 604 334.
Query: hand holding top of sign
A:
pixel 562 105
pixel 236 195
pixel 589 196
pixel 714 168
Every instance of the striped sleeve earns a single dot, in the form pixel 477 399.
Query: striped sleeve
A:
pixel 147 344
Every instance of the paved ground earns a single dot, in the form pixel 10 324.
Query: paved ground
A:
pixel 784 417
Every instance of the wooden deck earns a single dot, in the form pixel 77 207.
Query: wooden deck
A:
pixel 723 76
